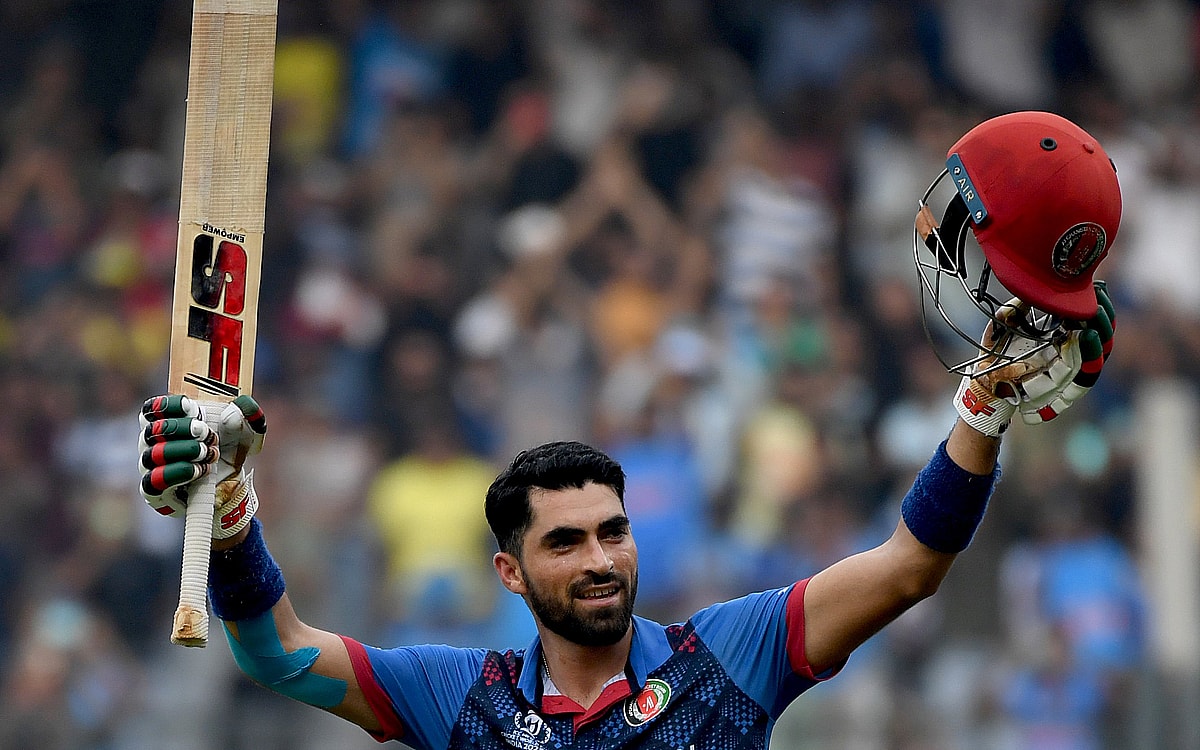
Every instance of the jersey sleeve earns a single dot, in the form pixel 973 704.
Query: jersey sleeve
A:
pixel 416 692
pixel 759 640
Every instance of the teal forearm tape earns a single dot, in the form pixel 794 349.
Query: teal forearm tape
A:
pixel 260 655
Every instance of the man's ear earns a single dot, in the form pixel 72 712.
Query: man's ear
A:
pixel 508 567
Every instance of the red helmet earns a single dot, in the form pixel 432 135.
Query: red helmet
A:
pixel 1042 201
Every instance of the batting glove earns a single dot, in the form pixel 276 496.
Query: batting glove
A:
pixel 178 447
pixel 1043 385
pixel 1084 353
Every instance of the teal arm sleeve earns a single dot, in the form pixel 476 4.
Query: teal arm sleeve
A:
pixel 260 655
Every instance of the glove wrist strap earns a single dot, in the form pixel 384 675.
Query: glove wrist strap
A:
pixel 232 515
pixel 982 409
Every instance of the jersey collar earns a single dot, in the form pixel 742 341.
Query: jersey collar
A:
pixel 648 650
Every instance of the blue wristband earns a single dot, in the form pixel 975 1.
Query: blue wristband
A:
pixel 946 503
pixel 244 581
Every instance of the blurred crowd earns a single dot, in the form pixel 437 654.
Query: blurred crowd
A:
pixel 680 230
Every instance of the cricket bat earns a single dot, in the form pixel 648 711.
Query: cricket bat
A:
pixel 221 206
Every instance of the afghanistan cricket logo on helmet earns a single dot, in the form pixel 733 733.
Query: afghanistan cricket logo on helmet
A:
pixel 1041 200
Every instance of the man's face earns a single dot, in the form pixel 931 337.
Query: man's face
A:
pixel 579 564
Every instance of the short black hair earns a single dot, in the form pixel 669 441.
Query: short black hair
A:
pixel 550 466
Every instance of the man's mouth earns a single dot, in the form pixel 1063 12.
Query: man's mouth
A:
pixel 599 592
pixel 602 592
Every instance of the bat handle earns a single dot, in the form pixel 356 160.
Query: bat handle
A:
pixel 191 617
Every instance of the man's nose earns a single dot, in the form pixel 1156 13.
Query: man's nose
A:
pixel 598 560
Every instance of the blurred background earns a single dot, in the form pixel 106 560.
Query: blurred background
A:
pixel 680 230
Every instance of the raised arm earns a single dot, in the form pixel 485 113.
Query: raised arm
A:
pixel 246 587
pixel 275 648
pixel 853 599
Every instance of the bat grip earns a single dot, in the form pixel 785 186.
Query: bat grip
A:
pixel 191 617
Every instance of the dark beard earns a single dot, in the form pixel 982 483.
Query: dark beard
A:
pixel 604 628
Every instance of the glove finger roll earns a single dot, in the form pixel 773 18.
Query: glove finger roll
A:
pixel 1106 311
pixel 176 451
pixel 1105 301
pixel 1092 352
pixel 252 413
pixel 184 428
pixel 1102 324
pixel 161 478
pixel 162 407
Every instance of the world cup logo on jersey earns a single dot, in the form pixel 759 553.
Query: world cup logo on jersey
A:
pixel 529 732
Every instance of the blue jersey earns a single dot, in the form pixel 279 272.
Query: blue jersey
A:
pixel 716 682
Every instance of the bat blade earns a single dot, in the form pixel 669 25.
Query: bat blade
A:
pixel 222 207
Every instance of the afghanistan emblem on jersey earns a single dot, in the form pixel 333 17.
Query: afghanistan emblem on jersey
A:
pixel 647 704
